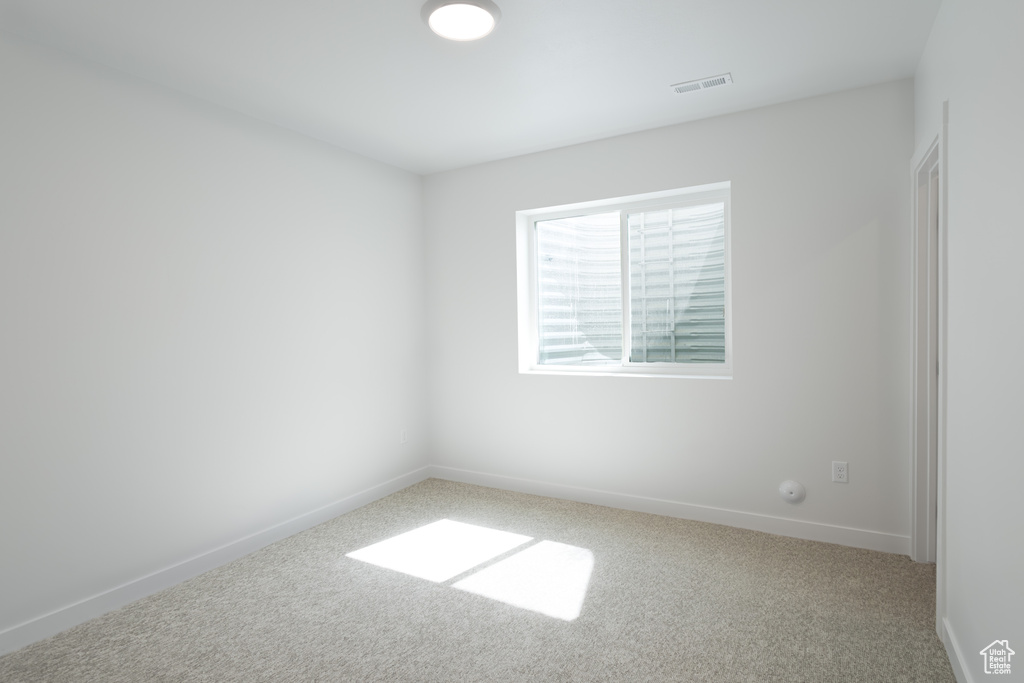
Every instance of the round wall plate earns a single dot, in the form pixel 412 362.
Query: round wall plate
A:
pixel 792 491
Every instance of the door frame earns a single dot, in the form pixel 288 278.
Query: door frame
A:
pixel 929 208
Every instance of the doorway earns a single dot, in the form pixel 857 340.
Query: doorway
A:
pixel 929 287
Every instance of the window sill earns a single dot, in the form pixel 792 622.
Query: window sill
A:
pixel 629 371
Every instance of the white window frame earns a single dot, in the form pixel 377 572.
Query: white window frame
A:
pixel 527 295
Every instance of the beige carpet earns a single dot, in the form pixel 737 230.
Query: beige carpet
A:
pixel 667 600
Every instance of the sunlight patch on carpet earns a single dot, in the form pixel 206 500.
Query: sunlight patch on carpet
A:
pixel 441 550
pixel 550 578
pixel 546 577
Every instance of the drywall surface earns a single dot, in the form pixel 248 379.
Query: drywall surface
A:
pixel 975 60
pixel 210 326
pixel 820 247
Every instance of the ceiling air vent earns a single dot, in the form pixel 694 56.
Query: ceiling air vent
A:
pixel 702 84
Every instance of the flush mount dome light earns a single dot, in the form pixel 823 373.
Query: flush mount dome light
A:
pixel 461 19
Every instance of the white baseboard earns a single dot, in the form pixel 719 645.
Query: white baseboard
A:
pixel 955 654
pixel 812 531
pixel 26 633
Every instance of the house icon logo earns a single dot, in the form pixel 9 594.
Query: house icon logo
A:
pixel 997 657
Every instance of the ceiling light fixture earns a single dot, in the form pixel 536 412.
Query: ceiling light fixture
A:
pixel 461 19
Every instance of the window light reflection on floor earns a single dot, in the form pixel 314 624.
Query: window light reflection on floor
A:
pixel 545 577
pixel 441 550
pixel 550 578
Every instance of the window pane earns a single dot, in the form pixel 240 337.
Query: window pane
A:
pixel 677 284
pixel 579 290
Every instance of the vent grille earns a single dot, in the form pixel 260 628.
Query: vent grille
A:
pixel 702 84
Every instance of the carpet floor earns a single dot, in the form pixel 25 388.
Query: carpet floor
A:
pixel 634 597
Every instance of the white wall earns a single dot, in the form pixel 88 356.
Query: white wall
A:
pixel 820 248
pixel 209 326
pixel 975 60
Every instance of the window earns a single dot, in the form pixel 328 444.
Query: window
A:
pixel 636 285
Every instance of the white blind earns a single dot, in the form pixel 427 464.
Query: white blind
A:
pixel 579 283
pixel 677 284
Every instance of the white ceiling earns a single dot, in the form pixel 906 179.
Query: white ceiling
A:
pixel 368 75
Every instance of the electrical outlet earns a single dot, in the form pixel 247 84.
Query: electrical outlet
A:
pixel 840 471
